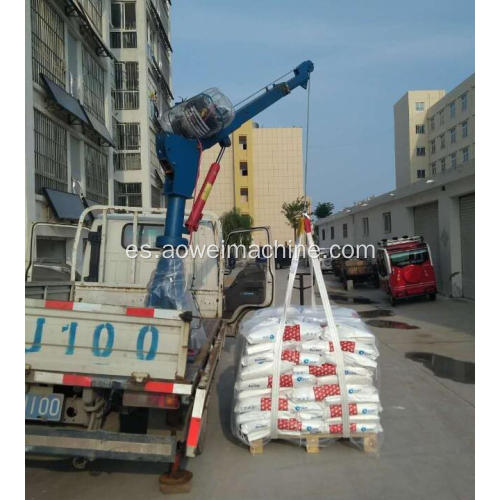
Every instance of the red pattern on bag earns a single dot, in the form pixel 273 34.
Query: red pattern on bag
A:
pixel 345 345
pixel 285 381
pixel 337 428
pixel 292 356
pixel 323 370
pixel 292 332
pixel 265 404
pixel 289 424
pixel 336 410
pixel 323 391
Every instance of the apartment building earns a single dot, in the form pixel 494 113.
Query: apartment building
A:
pixel 69 71
pixel 433 132
pixel 261 170
pixel 141 92
pixel 98 81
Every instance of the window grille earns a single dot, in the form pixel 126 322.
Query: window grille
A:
pixel 93 9
pixel 93 86
pixel 47 40
pixel 96 175
pixel 51 164
pixel 123 25
pixel 126 91
pixel 128 139
pixel 128 194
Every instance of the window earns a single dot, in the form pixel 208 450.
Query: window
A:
pixel 421 174
pixel 366 226
pixel 96 175
pixel 146 234
pixel 441 117
pixel 244 195
pixel 443 164
pixel 51 165
pixel 242 139
pixel 93 86
pixel 155 196
pixel 421 151
pixel 465 154
pixel 127 155
pixel 344 230
pixel 93 9
pixel 128 194
pixel 442 141
pixel 420 129
pixel 332 233
pixel 433 168
pixel 463 101
pixel 387 222
pixel 419 106
pixel 126 91
pixel 465 131
pixel 452 110
pixel 47 43
pixel 323 236
pixel 453 158
pixel 402 259
pixel 433 146
pixel 123 25
pixel 244 168
pixel 453 135
pixel 433 123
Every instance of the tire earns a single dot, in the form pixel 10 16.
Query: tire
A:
pixel 394 301
pixel 432 297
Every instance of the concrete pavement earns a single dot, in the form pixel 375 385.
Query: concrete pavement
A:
pixel 428 448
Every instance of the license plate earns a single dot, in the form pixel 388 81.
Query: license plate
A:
pixel 43 407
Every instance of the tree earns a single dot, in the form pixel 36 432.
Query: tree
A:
pixel 293 212
pixel 323 209
pixel 232 221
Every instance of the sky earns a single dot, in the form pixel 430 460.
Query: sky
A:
pixel 366 55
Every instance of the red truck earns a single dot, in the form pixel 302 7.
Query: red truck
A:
pixel 405 268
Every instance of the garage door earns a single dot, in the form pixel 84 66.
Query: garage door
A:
pixel 426 225
pixel 467 239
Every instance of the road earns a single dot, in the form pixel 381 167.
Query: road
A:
pixel 428 420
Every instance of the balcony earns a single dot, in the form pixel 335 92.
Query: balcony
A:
pixel 161 67
pixel 160 12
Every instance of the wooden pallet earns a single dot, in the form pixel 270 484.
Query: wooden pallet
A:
pixel 369 441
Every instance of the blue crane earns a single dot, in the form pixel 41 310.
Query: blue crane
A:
pixel 180 155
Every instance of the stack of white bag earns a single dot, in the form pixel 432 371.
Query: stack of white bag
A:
pixel 309 396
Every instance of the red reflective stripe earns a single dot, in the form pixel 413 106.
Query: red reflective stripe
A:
pixel 153 386
pixel 194 431
pixel 141 311
pixel 58 304
pixel 82 380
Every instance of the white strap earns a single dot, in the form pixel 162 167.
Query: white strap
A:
pixel 278 345
pixel 334 337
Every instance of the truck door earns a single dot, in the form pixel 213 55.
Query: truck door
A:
pixel 248 272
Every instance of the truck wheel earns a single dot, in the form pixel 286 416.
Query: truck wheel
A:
pixel 79 463
pixel 394 301
pixel 432 296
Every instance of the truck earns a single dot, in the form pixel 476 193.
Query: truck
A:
pixel 107 377
pixel 114 370
pixel 405 268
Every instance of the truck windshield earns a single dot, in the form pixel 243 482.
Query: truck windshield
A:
pixel 417 256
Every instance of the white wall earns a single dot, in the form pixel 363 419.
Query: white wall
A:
pixel 446 191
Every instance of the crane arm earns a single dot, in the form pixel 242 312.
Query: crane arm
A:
pixel 262 102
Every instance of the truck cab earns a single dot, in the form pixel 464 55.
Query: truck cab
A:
pixel 405 268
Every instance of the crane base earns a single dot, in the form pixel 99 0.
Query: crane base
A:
pixel 178 482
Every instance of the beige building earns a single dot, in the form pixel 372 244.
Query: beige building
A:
pixel 261 170
pixel 433 132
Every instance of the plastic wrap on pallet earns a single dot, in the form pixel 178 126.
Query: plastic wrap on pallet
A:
pixel 167 290
pixel 309 392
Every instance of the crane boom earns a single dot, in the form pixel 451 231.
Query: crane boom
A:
pixel 180 155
